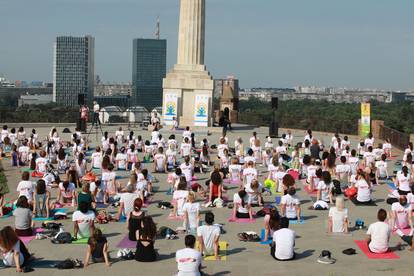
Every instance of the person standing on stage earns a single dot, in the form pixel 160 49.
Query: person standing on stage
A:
pixel 96 109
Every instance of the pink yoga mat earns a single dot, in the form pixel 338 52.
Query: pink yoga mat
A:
pixel 306 188
pixel 26 240
pixel 364 248
pixel 126 243
pixel 406 231
pixel 241 220
pixel 232 182
pixel 178 218
pixel 294 174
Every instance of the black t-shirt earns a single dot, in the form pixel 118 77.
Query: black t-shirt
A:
pixel 98 252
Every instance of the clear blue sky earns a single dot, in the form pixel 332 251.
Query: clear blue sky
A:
pixel 268 43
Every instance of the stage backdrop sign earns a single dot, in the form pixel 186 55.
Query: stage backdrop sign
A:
pixel 365 119
pixel 201 110
pixel 170 108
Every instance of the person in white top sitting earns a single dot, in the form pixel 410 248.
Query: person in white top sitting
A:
pixel 160 161
pixel 401 214
pixel 382 172
pixel 290 205
pixel 364 189
pixel 188 259
pixel 83 222
pixel 338 217
pixel 379 233
pixel 282 247
pixel 403 181
pixel 208 237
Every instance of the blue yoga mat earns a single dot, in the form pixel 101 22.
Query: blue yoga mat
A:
pixel 391 185
pixel 302 221
pixel 262 235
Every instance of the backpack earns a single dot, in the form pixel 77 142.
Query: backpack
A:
pixel 351 192
pixel 63 237
pixel 51 225
pixel 68 264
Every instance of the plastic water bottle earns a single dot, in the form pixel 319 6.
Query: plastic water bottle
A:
pixel 168 234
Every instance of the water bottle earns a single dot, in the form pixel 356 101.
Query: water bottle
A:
pixel 168 234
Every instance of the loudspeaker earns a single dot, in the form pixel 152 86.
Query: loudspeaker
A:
pixel 275 102
pixel 81 99
pixel 274 129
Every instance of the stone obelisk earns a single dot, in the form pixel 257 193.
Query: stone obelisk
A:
pixel 188 87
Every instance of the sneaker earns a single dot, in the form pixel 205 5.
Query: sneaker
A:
pixel 325 258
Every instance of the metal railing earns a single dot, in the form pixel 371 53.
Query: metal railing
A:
pixel 397 138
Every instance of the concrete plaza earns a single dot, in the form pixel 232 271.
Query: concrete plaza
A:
pixel 243 258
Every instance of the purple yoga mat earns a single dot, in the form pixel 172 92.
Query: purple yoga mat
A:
pixel 241 220
pixel 126 243
pixel 26 240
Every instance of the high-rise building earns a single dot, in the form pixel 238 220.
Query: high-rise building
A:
pixel 148 70
pixel 73 69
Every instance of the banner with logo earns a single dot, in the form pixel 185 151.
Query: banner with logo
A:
pixel 365 119
pixel 201 111
pixel 170 108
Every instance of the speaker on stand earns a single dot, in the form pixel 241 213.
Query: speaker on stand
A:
pixel 274 124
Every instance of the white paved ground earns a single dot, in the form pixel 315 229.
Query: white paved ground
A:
pixel 243 258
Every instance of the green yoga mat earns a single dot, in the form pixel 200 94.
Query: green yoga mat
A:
pixel 81 241
pixel 27 170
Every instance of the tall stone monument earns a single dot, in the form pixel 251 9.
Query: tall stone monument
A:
pixel 188 87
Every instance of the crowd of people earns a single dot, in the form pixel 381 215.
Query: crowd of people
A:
pixel 84 176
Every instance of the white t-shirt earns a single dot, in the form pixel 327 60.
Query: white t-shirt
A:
pixel 402 214
pixel 97 160
pixel 364 191
pixel 338 218
pixel 159 160
pixel 180 196
pixel 154 137
pixel 249 158
pixel 404 182
pixel 84 221
pixel 128 200
pixel 353 162
pixel 187 134
pixel 41 164
pixel 238 200
pixel 188 262
pixel 235 171
pixel 369 157
pixel 185 149
pixel 26 188
pixel 122 160
pixel 382 168
pixel 69 192
pixel 285 243
pixel 343 169
pixel 380 235
pixel 24 153
pixel 249 175
pixel 209 233
pixel 99 198
pixel 192 210
pixel 187 171
pixel 220 150
pixel 324 190
pixel 170 156
pixel 291 203
pixel 369 142
pixel 107 178
pixel 8 257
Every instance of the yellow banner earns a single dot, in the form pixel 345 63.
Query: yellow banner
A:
pixel 365 110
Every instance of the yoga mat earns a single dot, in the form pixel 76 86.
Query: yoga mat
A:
pixel 229 181
pixel 307 189
pixel 7 216
pixel 241 220
pixel 122 219
pixel 26 170
pixel 358 204
pixel 391 185
pixel 222 252
pixel 302 221
pixel 126 243
pixel 63 210
pixel 262 235
pixel 333 234
pixel 294 174
pixel 81 241
pixel 364 248
pixel 406 231
pixel 177 218
pixel 27 240
pixel 101 206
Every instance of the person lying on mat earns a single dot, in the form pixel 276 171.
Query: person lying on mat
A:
pixel 401 214
pixel 290 205
pixel 282 247
pixel 97 249
pixel 83 222
pixel 338 217
pixel 379 233
pixel 208 237
pixel 188 259
pixel 364 188
pixel 242 207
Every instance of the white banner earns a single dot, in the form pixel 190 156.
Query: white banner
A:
pixel 170 108
pixel 201 111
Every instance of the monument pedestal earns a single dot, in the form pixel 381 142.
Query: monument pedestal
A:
pixel 189 90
